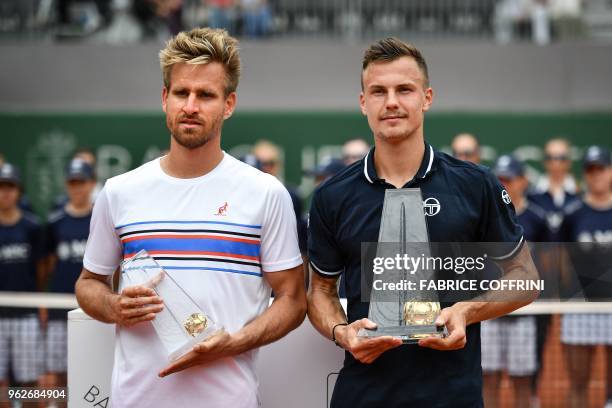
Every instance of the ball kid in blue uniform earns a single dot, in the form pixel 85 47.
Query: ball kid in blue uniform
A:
pixel 67 232
pixel 588 223
pixel 509 343
pixel 21 270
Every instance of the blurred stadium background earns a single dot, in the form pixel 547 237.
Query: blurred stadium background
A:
pixel 515 73
pixel 94 79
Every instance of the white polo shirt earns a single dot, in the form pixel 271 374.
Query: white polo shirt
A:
pixel 217 235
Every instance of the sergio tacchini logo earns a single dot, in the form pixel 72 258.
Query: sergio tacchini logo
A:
pixel 431 206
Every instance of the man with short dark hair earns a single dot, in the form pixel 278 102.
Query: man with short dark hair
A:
pixel 346 211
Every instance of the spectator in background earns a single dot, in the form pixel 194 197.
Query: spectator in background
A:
pixel 251 160
pixel 354 150
pixel 567 17
pixel 466 146
pixel 24 202
pixel 509 343
pixel 22 270
pixel 557 161
pixel 268 155
pixel 553 192
pixel 269 158
pixel 557 188
pixel 103 7
pixel 590 221
pixel 67 233
pixel 88 156
pixel 154 15
pixel 221 14
pixel 256 17
pixel 326 169
pixel 511 15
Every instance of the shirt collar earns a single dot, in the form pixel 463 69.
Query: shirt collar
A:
pixel 427 165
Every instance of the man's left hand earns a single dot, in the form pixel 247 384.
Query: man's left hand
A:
pixel 214 348
pixel 454 320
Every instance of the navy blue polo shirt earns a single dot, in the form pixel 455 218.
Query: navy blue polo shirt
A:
pixel 533 220
pixel 66 240
pixel 21 247
pixel 554 213
pixel 346 211
pixel 592 228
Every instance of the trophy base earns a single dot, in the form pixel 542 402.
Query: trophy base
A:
pixel 186 347
pixel 408 334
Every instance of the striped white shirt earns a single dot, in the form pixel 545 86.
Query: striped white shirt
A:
pixel 217 235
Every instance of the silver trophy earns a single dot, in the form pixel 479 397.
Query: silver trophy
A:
pixel 182 323
pixel 408 315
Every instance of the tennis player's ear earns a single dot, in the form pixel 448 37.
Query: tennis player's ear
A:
pixel 428 99
pixel 362 103
pixel 164 98
pixel 230 105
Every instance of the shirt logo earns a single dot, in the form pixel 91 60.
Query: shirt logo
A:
pixel 431 206
pixel 554 220
pixel 506 197
pixel 222 211
pixel 71 250
pixel 17 252
pixel 597 236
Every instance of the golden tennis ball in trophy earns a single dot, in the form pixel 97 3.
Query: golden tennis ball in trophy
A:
pixel 420 313
pixel 195 324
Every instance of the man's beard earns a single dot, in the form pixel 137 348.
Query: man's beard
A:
pixel 194 138
pixel 394 136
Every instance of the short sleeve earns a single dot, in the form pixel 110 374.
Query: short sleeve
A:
pixel 103 253
pixel 323 252
pixel 500 228
pixel 279 240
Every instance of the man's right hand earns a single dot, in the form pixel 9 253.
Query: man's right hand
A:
pixel 364 349
pixel 133 305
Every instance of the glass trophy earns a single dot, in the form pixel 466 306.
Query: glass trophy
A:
pixel 182 323
pixel 408 315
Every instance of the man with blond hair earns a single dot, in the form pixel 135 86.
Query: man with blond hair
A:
pixel 224 231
